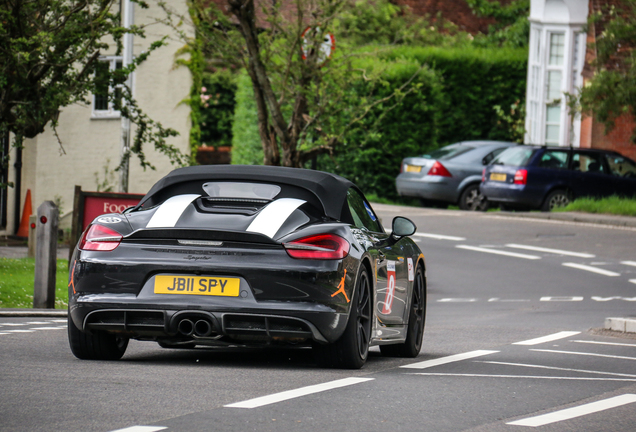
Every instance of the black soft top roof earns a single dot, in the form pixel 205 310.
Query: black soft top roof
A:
pixel 329 189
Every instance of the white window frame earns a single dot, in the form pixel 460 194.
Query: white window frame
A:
pixel 111 112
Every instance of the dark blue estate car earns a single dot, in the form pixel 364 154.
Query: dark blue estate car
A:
pixel 539 177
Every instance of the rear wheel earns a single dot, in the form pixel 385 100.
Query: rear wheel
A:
pixel 556 199
pixel 352 349
pixel 472 199
pixel 413 343
pixel 95 345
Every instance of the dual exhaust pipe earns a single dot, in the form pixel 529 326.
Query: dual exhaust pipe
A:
pixel 200 328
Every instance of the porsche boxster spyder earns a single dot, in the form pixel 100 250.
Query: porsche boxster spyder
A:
pixel 247 256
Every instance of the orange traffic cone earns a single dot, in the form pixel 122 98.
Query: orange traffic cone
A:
pixel 23 231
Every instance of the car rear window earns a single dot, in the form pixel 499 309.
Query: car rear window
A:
pixel 448 152
pixel 514 156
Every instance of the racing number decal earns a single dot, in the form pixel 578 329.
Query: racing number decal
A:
pixel 390 289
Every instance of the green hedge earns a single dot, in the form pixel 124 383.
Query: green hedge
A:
pixel 454 100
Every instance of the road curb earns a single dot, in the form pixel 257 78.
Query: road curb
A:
pixel 53 313
pixel 625 325
pixel 589 218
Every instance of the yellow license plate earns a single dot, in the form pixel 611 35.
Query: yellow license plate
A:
pixel 497 177
pixel 197 285
pixel 413 168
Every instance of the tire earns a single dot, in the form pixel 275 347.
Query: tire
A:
pixel 472 199
pixel 555 199
pixel 96 345
pixel 352 349
pixel 417 317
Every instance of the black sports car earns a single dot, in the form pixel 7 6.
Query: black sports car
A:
pixel 247 256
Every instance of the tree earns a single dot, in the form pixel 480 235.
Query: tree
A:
pixel 306 100
pixel 49 52
pixel 611 91
pixel 511 27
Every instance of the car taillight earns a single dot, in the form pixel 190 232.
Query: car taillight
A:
pixel 521 177
pixel 100 238
pixel 439 170
pixel 483 175
pixel 321 246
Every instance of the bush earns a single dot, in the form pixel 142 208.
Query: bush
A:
pixel 217 110
pixel 246 142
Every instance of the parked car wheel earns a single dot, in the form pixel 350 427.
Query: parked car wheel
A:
pixel 472 199
pixel 413 343
pixel 556 199
pixel 95 345
pixel 352 349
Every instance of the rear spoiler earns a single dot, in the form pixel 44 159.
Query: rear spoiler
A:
pixel 199 234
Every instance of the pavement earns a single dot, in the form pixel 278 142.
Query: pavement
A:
pixel 10 248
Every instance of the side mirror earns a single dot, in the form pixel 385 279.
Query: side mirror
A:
pixel 403 227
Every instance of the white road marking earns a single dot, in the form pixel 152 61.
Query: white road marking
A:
pixel 556 368
pixel 591 269
pixel 170 211
pixel 38 322
pixel 59 320
pixel 605 343
pixel 561 299
pixel 3 334
pixel 525 377
pixel 457 300
pixel 141 429
pixel 273 216
pixel 448 359
pixel 439 236
pixel 581 410
pixel 498 252
pixel 498 299
pixel 585 354
pixel 292 394
pixel 553 251
pixel 12 324
pixel 46 328
pixel 633 281
pixel 548 338
pixel 629 263
pixel 19 331
pixel 604 299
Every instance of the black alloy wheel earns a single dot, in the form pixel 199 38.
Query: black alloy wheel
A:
pixel 352 349
pixel 417 317
pixel 472 199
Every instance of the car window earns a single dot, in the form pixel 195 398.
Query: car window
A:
pixel 621 166
pixel 556 159
pixel 514 156
pixel 587 162
pixel 448 152
pixel 493 154
pixel 363 215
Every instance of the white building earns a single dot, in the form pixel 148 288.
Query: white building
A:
pixel 556 60
pixel 91 135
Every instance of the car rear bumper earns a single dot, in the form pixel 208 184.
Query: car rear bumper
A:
pixel 428 187
pixel 512 194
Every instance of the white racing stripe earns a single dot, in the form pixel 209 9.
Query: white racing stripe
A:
pixel 553 251
pixel 273 216
pixel 498 252
pixel 170 211
pixel 574 412
pixel 449 359
pixel 591 269
pixel 548 338
pixel 292 394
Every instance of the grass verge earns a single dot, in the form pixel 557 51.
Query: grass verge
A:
pixel 17 279
pixel 612 205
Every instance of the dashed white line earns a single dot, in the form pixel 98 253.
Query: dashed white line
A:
pixel 557 368
pixel 591 269
pixel 574 412
pixel 291 394
pixel 584 354
pixel 540 377
pixel 629 263
pixel 141 429
pixel 46 328
pixel 19 331
pixel 439 236
pixel 633 281
pixel 498 252
pixel 552 251
pixel 548 338
pixel 605 343
pixel 449 359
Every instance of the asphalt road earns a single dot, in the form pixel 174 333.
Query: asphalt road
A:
pixel 512 343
